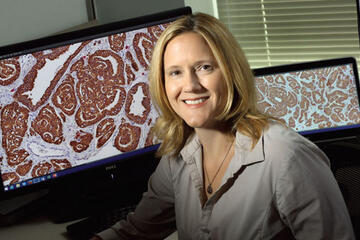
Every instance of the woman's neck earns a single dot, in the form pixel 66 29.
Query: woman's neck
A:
pixel 215 142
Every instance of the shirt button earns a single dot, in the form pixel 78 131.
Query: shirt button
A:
pixel 205 230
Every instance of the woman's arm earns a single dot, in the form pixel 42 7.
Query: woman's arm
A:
pixel 309 199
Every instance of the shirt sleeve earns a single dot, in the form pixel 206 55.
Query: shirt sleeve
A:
pixel 154 217
pixel 308 197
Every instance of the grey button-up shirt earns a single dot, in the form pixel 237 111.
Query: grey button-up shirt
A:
pixel 281 187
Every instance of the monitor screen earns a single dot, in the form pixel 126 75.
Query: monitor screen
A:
pixel 320 100
pixel 77 101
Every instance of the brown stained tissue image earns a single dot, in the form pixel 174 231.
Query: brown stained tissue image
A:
pixel 86 95
pixel 299 98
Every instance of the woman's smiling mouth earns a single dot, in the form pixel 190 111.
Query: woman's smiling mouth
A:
pixel 195 101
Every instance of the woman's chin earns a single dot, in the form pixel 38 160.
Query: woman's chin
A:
pixel 195 124
pixel 200 124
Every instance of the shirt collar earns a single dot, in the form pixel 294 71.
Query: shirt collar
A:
pixel 191 147
pixel 243 147
pixel 243 152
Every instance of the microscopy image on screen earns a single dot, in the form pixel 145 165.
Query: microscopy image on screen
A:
pixel 75 104
pixel 311 99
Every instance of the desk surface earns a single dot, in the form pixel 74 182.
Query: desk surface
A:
pixel 35 228
pixel 42 228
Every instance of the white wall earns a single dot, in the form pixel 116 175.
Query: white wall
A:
pixel 23 20
pixel 115 10
pixel 205 6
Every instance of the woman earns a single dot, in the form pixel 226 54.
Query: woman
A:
pixel 227 171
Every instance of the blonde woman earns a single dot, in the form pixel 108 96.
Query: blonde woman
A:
pixel 227 170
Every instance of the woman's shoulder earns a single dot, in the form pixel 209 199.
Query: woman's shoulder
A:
pixel 281 134
pixel 287 143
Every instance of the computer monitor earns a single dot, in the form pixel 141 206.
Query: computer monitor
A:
pixel 319 99
pixel 78 103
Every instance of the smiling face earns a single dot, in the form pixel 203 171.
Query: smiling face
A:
pixel 194 83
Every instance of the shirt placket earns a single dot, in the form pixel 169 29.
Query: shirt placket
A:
pixel 205 218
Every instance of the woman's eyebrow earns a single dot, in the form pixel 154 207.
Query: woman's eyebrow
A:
pixel 211 61
pixel 172 67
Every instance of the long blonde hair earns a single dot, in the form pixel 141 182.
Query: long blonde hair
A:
pixel 240 110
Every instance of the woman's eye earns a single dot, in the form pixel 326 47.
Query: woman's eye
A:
pixel 206 67
pixel 174 73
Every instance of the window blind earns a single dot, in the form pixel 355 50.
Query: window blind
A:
pixel 276 32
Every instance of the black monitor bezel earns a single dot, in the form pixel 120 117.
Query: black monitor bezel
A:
pixel 115 162
pixel 333 134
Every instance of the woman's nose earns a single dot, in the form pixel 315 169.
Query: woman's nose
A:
pixel 191 82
